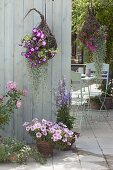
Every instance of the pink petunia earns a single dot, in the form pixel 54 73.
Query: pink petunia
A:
pixel 25 123
pixel 38 135
pixel 28 128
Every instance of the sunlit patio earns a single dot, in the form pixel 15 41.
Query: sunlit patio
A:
pixel 92 150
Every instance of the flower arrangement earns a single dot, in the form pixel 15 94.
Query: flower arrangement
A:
pixel 36 47
pixel 55 133
pixel 10 101
pixel 93 36
pixel 63 104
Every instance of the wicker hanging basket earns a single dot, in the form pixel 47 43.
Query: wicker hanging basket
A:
pixel 90 26
pixel 43 26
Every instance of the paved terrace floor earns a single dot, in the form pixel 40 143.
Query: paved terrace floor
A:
pixel 94 148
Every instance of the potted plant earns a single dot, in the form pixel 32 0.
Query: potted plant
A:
pixel 63 104
pixel 10 101
pixel 95 102
pixel 48 135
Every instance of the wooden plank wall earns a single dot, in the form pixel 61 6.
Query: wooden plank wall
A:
pixel 13 27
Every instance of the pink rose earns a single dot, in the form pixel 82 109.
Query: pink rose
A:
pixel 11 85
pixel 18 104
pixel 24 92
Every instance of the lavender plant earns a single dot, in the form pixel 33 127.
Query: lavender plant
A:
pixel 63 103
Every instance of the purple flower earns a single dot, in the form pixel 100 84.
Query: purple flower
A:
pixel 38 34
pixel 32 49
pixel 34 38
pixel 36 48
pixel 44 60
pixel 43 43
pixel 34 30
pixel 42 35
pixel 62 96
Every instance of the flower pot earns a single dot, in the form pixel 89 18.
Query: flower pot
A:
pixel 13 157
pixel 108 103
pixel 95 105
pixel 45 148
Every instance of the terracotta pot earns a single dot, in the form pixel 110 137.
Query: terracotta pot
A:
pixel 13 157
pixel 45 148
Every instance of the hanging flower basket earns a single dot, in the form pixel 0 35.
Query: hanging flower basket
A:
pixel 45 148
pixel 41 45
pixel 90 26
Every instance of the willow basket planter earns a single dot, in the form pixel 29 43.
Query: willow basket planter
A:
pixel 45 148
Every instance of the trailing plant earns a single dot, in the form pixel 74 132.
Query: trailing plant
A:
pixel 39 48
pixel 93 36
pixel 12 150
pixel 10 101
pixel 63 104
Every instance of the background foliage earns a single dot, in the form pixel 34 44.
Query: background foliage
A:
pixel 103 12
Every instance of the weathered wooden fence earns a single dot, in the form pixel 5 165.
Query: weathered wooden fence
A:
pixel 12 66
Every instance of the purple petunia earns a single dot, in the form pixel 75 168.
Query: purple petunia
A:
pixel 37 51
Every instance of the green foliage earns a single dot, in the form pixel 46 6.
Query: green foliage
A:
pixel 78 13
pixel 64 116
pixel 109 91
pixel 104 14
pixel 12 150
pixel 8 105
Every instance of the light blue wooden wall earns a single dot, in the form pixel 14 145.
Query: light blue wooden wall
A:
pixel 12 65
